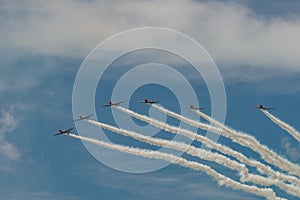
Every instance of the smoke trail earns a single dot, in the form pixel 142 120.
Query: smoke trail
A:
pixel 203 154
pixel 283 125
pixel 249 141
pixel 291 189
pixel 211 144
pixel 223 127
pixel 200 125
pixel 268 193
pixel 180 146
pixel 241 138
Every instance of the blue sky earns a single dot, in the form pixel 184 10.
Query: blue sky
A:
pixel 42 46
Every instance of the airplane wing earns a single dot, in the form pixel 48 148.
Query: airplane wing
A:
pixel 269 108
pixel 63 132
pixel 195 108
pixel 118 103
pixel 200 108
pixel 82 118
pixel 68 130
pixel 113 104
pixel 147 101
pixel 261 107
pixel 59 133
pixel 89 116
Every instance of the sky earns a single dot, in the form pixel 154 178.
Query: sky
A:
pixel 43 45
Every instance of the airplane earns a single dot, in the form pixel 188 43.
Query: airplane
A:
pixel 83 117
pixel 112 104
pixel 196 108
pixel 63 131
pixel 148 101
pixel 263 108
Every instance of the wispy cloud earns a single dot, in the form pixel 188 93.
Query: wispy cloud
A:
pixel 15 194
pixel 8 123
pixel 290 149
pixel 234 34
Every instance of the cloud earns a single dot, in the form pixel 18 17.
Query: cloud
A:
pixel 290 150
pixel 16 194
pixel 232 33
pixel 8 123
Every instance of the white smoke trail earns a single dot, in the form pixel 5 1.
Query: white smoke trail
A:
pixel 241 138
pixel 283 125
pixel 180 146
pixel 200 125
pixel 203 154
pixel 291 189
pixel 211 144
pixel 249 141
pixel 268 193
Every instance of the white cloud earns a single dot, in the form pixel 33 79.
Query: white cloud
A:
pixel 232 33
pixel 7 125
pixel 291 150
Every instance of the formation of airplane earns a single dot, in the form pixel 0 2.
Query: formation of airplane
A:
pixel 196 108
pixel 110 103
pixel 83 117
pixel 148 101
pixel 261 107
pixel 60 131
